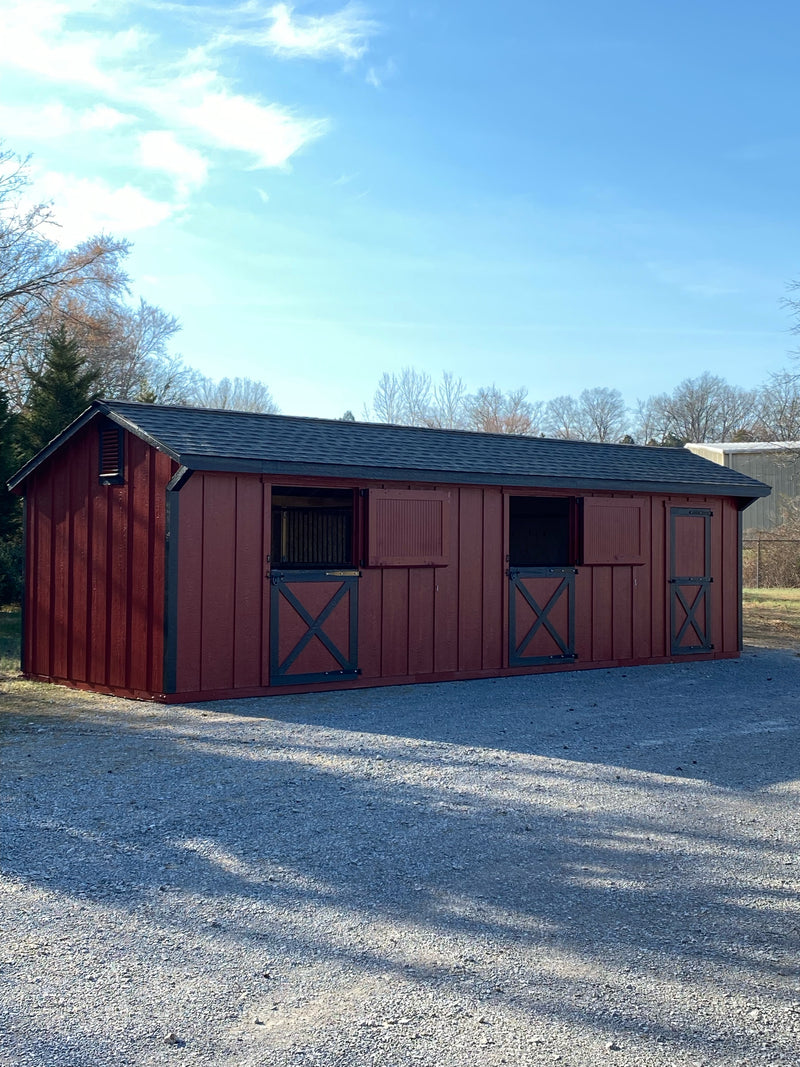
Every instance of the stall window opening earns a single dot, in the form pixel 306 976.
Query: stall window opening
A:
pixel 312 528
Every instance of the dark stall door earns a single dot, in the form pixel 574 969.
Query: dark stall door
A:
pixel 313 626
pixel 690 580
pixel 541 623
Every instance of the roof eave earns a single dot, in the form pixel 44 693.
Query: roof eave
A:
pixel 444 477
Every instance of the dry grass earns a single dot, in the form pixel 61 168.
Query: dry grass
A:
pixel 772 617
pixel 10 632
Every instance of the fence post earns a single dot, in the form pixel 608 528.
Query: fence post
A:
pixel 758 562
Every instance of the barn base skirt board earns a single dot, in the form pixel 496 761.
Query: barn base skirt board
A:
pixel 205 696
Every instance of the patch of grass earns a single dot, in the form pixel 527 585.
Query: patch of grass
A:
pixel 771 617
pixel 10 639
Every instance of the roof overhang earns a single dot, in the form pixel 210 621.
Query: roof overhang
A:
pixel 97 409
pixel 744 495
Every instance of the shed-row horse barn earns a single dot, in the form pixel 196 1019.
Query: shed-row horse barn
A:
pixel 183 554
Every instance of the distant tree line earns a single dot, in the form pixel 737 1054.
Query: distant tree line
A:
pixel 706 408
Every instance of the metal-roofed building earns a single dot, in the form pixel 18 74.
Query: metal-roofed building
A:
pixel 777 463
pixel 185 554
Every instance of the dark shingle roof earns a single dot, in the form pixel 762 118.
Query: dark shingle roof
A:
pixel 201 439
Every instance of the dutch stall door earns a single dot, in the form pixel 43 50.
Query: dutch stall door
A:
pixel 690 580
pixel 313 626
pixel 541 615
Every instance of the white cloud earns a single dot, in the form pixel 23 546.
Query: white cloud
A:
pixel 181 92
pixel 54 120
pixel 343 33
pixel 36 39
pixel 161 150
pixel 103 117
pixel 377 76
pixel 85 206
pixel 270 134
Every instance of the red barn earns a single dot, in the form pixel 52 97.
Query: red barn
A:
pixel 182 554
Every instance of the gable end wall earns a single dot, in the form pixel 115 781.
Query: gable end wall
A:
pixel 94 602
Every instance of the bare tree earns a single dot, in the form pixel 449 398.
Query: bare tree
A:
pixel 705 409
pixel 36 276
pixel 602 415
pixel 490 410
pixel 562 418
pixel 234 394
pixel 779 408
pixel 649 426
pixel 168 380
pixel 386 403
pixel 414 389
pixel 447 407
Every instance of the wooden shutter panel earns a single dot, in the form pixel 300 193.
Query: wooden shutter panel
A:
pixel 613 530
pixel 408 528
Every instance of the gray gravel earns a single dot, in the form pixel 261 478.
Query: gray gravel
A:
pixel 596 867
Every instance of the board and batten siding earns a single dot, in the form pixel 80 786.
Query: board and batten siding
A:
pixel 428 622
pixel 94 606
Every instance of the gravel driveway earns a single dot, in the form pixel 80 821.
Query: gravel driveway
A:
pixel 589 868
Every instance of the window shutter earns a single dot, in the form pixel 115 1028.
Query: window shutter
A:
pixel 613 531
pixel 112 469
pixel 408 528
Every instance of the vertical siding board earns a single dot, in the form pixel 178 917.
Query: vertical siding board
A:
pixel 717 590
pixel 394 628
pixel 140 558
pixel 370 616
pixel 31 563
pixel 470 572
pixel 161 472
pixel 446 611
pixel 622 612
pixel 493 579
pixel 98 613
pixel 584 591
pixel 219 577
pixel 659 573
pixel 602 604
pixel 118 583
pixel 266 555
pixel 79 620
pixel 642 591
pixel 421 582
pixel 249 582
pixel 61 561
pixel 190 585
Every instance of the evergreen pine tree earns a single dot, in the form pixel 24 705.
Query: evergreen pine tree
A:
pixel 59 393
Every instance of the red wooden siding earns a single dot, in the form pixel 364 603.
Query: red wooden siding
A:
pixel 427 622
pixel 222 604
pixel 95 593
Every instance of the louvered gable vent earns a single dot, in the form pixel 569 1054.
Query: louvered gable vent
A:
pixel 112 460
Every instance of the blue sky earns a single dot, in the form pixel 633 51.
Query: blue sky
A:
pixel 558 196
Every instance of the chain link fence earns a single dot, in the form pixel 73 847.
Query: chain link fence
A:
pixel 771 562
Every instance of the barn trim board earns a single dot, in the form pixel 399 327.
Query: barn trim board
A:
pixel 461 555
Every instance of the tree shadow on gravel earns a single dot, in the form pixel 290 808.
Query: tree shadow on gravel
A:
pixel 549 821
pixel 735 723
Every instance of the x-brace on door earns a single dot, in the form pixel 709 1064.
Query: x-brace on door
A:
pixel 690 581
pixel 313 626
pixel 541 615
